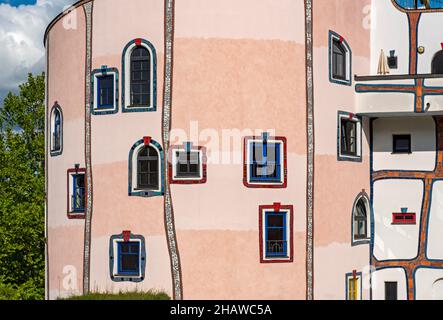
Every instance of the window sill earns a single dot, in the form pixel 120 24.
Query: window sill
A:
pixel 76 215
pixel 141 108
pixel 265 184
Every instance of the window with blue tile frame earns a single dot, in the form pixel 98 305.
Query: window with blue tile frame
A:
pixel 105 97
pixel 78 194
pixel 129 258
pixel 276 244
pixel 265 162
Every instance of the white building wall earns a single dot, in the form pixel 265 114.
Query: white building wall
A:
pixel 429 284
pixel 379 278
pixel 435 229
pixel 427 37
pixel 396 241
pixel 423 144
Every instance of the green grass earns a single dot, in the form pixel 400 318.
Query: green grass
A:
pixel 138 295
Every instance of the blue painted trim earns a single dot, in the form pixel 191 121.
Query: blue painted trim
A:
pixel 153 107
pixel 55 153
pixel 334 35
pixel 285 231
pixel 104 111
pixel 142 259
pixel 146 193
pixel 120 271
pixel 75 209
pixel 277 145
pixel 347 276
pixel 341 157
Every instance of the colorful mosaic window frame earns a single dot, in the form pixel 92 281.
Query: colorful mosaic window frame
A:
pixel 132 169
pixel 55 151
pixel 341 156
pixel 254 182
pixel 115 271
pixel 287 254
pixel 333 36
pixel 187 147
pixel 95 83
pixel 71 174
pixel 126 96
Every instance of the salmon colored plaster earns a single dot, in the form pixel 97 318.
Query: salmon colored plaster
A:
pixel 115 211
pixel 241 83
pixel 229 267
pixel 348 18
pixel 66 81
pixel 63 254
pixel 246 19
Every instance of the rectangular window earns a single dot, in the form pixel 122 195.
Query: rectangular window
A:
pixel 276 233
pixel 105 91
pixel 348 137
pixel 265 162
pixel 401 143
pixel 276 242
pixel 78 195
pixel 129 258
pixel 352 285
pixel 391 290
pixel 404 218
pixel 188 164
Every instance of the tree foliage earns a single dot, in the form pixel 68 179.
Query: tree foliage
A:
pixel 22 192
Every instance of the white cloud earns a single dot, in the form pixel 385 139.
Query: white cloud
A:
pixel 21 40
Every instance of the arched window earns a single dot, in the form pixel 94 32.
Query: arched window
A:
pixel 147 169
pixel 56 131
pixel 338 60
pixel 140 77
pixel 361 219
pixel 437 63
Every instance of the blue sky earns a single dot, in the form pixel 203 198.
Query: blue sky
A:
pixel 18 2
pixel 22 26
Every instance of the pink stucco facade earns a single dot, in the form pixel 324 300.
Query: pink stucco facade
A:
pixel 239 74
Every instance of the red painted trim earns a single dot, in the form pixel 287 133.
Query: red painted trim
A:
pixel 290 208
pixel 126 235
pixel 285 165
pixel 146 141
pixel 404 218
pixel 138 42
pixel 188 181
pixel 75 215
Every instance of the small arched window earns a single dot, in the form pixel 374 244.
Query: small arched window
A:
pixel 360 219
pixel 147 169
pixel 437 63
pixel 56 130
pixel 338 60
pixel 140 77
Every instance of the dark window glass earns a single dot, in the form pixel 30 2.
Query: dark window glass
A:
pixel 78 196
pixel 348 137
pixel 360 220
pixel 188 164
pixel 437 63
pixel 338 60
pixel 105 91
pixel 265 162
pixel 140 77
pixel 56 135
pixel 275 237
pixel 390 290
pixel 147 169
pixel 129 258
pixel 401 143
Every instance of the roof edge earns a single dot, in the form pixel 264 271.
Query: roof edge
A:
pixel 61 15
